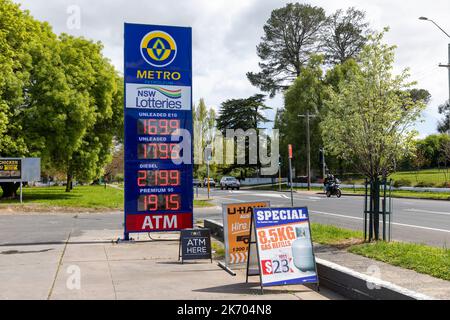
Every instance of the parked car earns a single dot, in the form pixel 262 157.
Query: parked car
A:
pixel 212 183
pixel 229 183
pixel 197 183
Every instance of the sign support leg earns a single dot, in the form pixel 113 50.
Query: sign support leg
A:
pixel 20 191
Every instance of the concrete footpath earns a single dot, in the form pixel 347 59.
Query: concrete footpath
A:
pixel 92 266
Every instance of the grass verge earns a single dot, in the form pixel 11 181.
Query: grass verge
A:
pixel 421 258
pixel 203 204
pixel 91 197
pixel 418 257
pixel 94 197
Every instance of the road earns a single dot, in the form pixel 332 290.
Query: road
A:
pixel 419 221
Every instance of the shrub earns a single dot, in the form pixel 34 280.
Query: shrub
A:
pixel 423 184
pixel 402 183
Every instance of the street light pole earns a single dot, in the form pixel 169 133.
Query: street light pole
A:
pixel 308 145
pixel 442 65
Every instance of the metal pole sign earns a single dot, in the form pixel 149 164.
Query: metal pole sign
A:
pixel 236 218
pixel 291 178
pixel 158 129
pixel 284 246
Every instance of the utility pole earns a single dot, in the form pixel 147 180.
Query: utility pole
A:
pixel 322 152
pixel 308 145
pixel 443 65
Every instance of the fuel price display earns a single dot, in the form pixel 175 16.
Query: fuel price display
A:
pixel 157 115
pixel 159 178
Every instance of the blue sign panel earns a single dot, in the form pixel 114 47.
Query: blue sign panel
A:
pixel 158 128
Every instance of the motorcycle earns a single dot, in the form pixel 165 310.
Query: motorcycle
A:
pixel 333 189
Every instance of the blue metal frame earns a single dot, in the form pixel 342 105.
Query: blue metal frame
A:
pixel 135 65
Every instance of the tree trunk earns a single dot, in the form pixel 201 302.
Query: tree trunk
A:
pixel 375 193
pixel 9 189
pixel 69 183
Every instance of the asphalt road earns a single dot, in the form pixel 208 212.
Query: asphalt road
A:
pixel 419 221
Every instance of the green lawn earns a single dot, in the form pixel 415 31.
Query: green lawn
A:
pixel 430 177
pixel 427 177
pixel 331 235
pixel 203 204
pixel 94 197
pixel 421 258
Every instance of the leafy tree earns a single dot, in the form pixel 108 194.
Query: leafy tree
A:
pixel 60 99
pixel 204 133
pixel 305 95
pixel 76 108
pixel 291 35
pixel 243 114
pixel 444 125
pixel 368 119
pixel 419 161
pixel 24 43
pixel 344 36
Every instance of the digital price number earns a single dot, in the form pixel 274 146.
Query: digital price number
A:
pixel 157 202
pixel 158 151
pixel 159 178
pixel 153 127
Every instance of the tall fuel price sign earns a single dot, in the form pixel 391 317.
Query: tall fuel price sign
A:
pixel 158 129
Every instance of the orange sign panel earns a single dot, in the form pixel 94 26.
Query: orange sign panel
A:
pixel 237 218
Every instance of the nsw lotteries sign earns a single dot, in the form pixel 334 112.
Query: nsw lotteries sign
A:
pixel 285 247
pixel 158 128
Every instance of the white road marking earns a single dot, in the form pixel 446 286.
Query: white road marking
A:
pixel 394 223
pixel 427 211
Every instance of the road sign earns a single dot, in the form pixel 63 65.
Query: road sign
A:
pixel 236 217
pixel 195 244
pixel 158 128
pixel 290 151
pixel 284 246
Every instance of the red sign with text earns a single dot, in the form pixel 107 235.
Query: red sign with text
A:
pixel 158 222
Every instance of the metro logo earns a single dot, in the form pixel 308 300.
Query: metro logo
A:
pixel 158 222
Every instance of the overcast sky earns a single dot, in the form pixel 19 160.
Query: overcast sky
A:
pixel 226 32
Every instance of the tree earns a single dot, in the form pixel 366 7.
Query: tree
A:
pixel 243 114
pixel 204 133
pixel 444 125
pixel 76 108
pixel 419 161
pixel 305 95
pixel 345 35
pixel 291 35
pixel 24 43
pixel 368 120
